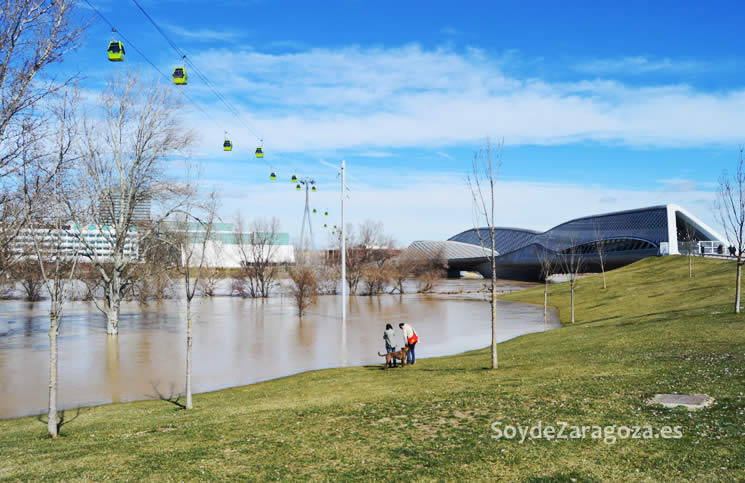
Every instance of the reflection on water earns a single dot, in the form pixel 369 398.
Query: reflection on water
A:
pixel 236 342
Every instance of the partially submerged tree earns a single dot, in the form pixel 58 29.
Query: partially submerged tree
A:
pixel 368 246
pixel 27 273
pixel 482 181
pixel 258 247
pixel 731 211
pixel 121 182
pixel 304 287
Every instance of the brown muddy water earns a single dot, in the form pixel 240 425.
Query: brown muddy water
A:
pixel 236 342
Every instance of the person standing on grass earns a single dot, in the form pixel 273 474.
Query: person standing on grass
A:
pixel 390 346
pixel 411 339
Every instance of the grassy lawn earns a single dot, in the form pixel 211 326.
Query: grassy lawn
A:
pixel 653 330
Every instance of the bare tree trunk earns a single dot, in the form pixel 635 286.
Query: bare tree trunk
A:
pixel 690 264
pixel 112 317
pixel 188 354
pixel 53 333
pixel 545 304
pixel 737 288
pixel 494 360
pixel 602 267
pixel 571 289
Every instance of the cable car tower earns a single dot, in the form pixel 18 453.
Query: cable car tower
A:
pixel 309 184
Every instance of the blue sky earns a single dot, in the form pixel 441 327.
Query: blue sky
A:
pixel 602 105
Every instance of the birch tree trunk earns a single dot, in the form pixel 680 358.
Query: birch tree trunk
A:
pixel 545 303
pixel 494 360
pixel 112 304
pixel 53 333
pixel 737 288
pixel 602 267
pixel 188 353
pixel 571 290
pixel 112 318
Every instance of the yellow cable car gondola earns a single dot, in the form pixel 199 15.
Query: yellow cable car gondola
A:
pixel 297 187
pixel 293 179
pixel 313 189
pixel 325 225
pixel 314 211
pixel 180 77
pixel 326 214
pixel 273 176
pixel 259 152
pixel 116 51
pixel 227 145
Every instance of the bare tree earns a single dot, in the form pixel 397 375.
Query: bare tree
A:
pixel 482 180
pixel 34 35
pixel 731 211
pixel 304 288
pixel 547 269
pixel 571 262
pixel 28 275
pixel 376 277
pixel 690 244
pixel 121 174
pixel 193 256
pixel 367 246
pixel 327 276
pixel 258 251
pixel 600 250
pixel 401 269
pixel 47 229
pixel 210 280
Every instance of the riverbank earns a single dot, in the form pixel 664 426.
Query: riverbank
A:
pixel 654 330
pixel 236 342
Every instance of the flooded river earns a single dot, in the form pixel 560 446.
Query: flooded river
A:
pixel 236 342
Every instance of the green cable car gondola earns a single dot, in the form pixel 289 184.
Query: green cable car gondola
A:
pixel 259 152
pixel 334 227
pixel 293 179
pixel 180 77
pixel 314 211
pixel 227 145
pixel 313 189
pixel 325 225
pixel 273 176
pixel 297 187
pixel 116 51
pixel 326 214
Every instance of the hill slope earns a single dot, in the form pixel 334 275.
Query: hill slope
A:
pixel 653 330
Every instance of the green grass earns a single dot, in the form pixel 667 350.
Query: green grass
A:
pixel 653 330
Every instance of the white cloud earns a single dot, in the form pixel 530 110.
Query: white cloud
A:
pixel 385 98
pixel 638 65
pixel 205 35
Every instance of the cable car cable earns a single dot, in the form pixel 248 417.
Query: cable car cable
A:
pixel 129 42
pixel 199 73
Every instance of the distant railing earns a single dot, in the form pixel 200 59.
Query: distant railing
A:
pixel 706 248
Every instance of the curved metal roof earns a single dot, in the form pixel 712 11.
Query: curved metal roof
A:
pixel 451 250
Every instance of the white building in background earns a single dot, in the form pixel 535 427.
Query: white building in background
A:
pixel 223 249
pixel 89 241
